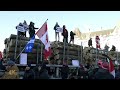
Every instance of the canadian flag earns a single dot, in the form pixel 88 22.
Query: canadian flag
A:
pixel 42 33
pixel 111 67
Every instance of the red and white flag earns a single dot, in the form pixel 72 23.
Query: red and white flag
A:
pixel 42 33
pixel 111 67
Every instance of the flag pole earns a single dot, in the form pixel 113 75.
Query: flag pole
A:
pixel 64 51
pixel 81 53
pixel 37 53
pixel 20 52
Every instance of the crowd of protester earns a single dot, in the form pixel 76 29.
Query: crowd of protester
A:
pixel 9 70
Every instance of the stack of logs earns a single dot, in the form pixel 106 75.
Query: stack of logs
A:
pixel 90 55
pixel 114 55
pixel 72 52
pixel 10 44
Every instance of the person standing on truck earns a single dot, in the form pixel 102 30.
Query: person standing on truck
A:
pixel 90 42
pixel 32 29
pixel 26 27
pixel 65 34
pixel 72 37
pixel 20 29
pixel 56 33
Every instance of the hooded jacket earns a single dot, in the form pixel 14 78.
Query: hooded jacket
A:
pixel 11 73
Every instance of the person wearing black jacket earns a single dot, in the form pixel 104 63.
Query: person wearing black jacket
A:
pixel 103 72
pixel 64 71
pixel 29 73
pixel 72 37
pixel 2 67
pixel 65 34
pixel 117 74
pixel 82 73
pixel 90 42
pixel 32 29
pixel 92 72
pixel 113 48
pixel 106 48
pixel 41 71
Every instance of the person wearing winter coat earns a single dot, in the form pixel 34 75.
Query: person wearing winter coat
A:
pixel 97 39
pixel 113 48
pixel 90 42
pixel 117 74
pixel 2 67
pixel 56 33
pixel 32 29
pixel 26 27
pixel 41 72
pixel 82 73
pixel 29 73
pixel 91 73
pixel 106 48
pixel 64 71
pixel 65 34
pixel 72 37
pixel 103 71
pixel 20 29
pixel 11 71
pixel 72 75
pixel 37 71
